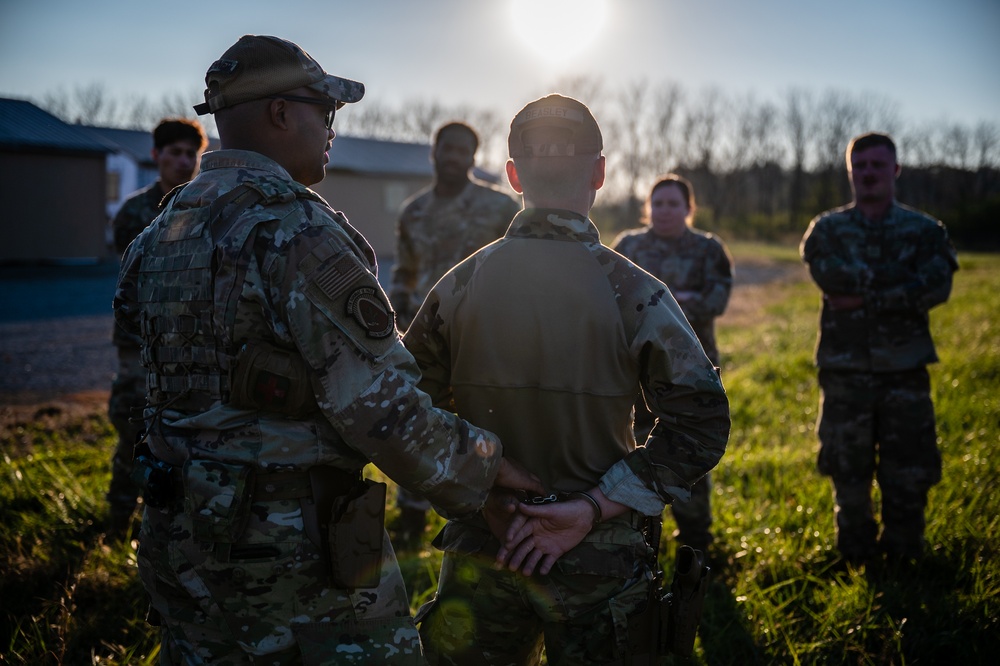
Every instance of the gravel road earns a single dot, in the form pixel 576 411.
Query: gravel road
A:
pixel 55 331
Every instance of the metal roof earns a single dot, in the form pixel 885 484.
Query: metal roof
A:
pixel 25 126
pixel 390 158
pixel 374 156
pixel 137 144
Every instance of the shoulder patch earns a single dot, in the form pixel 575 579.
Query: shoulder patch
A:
pixel 368 307
pixel 337 277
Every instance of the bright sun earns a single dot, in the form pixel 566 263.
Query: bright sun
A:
pixel 558 29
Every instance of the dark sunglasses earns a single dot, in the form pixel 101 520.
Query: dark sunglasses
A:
pixel 331 111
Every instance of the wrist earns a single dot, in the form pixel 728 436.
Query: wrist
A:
pixel 595 506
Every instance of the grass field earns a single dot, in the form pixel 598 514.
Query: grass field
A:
pixel 778 595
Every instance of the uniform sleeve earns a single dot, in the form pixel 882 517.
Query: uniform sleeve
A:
pixel 365 380
pixel 426 339
pixel 623 246
pixel 922 283
pixel 711 301
pixel 404 271
pixel 685 394
pixel 831 265
pixel 126 300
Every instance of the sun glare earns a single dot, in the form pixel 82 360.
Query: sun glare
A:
pixel 558 29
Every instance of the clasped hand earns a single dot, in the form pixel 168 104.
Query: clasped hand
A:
pixel 534 535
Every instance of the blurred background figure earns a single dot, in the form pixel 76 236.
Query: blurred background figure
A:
pixel 439 227
pixel 881 267
pixel 699 271
pixel 177 147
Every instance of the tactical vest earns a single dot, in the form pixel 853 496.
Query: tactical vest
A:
pixel 187 346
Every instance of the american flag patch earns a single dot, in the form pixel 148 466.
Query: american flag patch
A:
pixel 338 276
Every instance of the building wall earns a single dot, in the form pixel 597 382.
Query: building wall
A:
pixel 371 203
pixel 52 207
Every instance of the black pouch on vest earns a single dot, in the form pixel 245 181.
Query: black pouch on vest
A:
pixel 355 536
pixel 217 496
pixel 270 379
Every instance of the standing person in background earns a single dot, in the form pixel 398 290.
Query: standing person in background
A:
pixel 439 227
pixel 276 374
pixel 548 336
pixel 881 267
pixel 177 147
pixel 699 271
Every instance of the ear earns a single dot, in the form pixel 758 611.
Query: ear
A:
pixel 277 113
pixel 599 173
pixel 515 181
pixel 154 153
pixel 899 169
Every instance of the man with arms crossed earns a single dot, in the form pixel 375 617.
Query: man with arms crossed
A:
pixel 881 267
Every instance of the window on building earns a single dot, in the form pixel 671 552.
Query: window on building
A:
pixel 114 181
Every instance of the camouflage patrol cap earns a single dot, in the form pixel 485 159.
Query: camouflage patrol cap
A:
pixel 579 135
pixel 258 65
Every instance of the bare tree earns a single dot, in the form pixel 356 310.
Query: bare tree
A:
pixel 662 139
pixel 93 105
pixel 798 110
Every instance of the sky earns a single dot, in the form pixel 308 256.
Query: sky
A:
pixel 937 60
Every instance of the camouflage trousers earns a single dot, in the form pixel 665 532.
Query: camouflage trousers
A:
pixel 578 612
pixel 878 426
pixel 128 398
pixel 267 598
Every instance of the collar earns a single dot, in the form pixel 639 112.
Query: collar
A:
pixel 553 224
pixel 244 159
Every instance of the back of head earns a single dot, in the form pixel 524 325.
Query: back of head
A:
pixel 554 126
pixel 171 130
pixel 554 142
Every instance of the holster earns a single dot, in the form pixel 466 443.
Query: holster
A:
pixel 668 623
pixel 687 600
pixel 346 520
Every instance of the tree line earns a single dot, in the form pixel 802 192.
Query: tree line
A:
pixel 761 167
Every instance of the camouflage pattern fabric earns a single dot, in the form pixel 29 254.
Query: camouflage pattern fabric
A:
pixel 876 418
pixel 546 337
pixel 878 425
pixel 695 262
pixel 291 273
pixel 484 616
pixel 902 266
pixel 268 599
pixel 128 389
pixel 135 215
pixel 436 233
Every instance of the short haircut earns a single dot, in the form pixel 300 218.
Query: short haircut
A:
pixel 171 130
pixel 687 191
pixel 459 126
pixel 870 140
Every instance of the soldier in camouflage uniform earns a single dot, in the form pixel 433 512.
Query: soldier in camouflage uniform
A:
pixel 547 336
pixel 881 267
pixel 275 375
pixel 439 227
pixel 177 147
pixel 699 271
